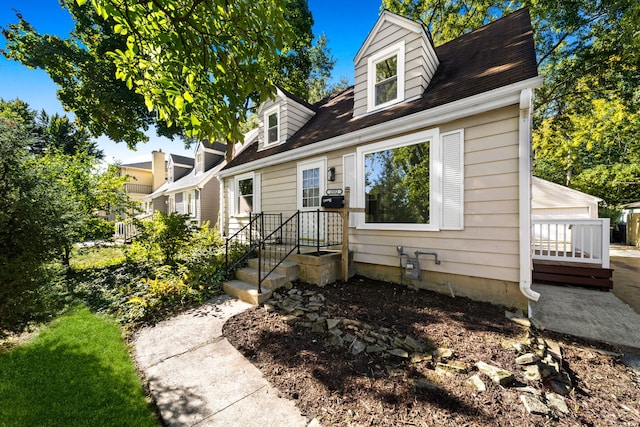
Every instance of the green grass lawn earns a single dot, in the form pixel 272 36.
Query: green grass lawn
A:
pixel 97 257
pixel 76 372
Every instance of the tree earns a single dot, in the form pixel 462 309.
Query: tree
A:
pixel 31 215
pixel 61 134
pixel 86 75
pixel 198 63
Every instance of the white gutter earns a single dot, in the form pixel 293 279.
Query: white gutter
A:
pixel 487 101
pixel 524 182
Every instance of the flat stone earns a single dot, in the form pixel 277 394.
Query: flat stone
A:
pixel 312 316
pixel 477 382
pixel 414 344
pixel 336 340
pixel 632 361
pixel 399 353
pixel 522 321
pixel 532 373
pixel 289 319
pixel 560 387
pixel 528 389
pixel 454 366
pixel 268 307
pixel 369 339
pixel 357 347
pixel 536 324
pixel 317 327
pixel 553 348
pixel 349 338
pixel 496 374
pixel 351 322
pixel 443 353
pixel 424 384
pixel 534 406
pixel 557 402
pixel 527 359
pixel 332 323
pixel 373 349
pixel 417 358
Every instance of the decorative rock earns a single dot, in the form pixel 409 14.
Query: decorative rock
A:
pixel 536 324
pixel 528 389
pixel 477 382
pixel 357 347
pixel 557 402
pixel 424 384
pixel 560 387
pixel 289 319
pixel 453 366
pixel 534 406
pixel 317 327
pixel 417 358
pixel 332 323
pixel 553 349
pixel 414 344
pixel 522 322
pixel 351 322
pixel 372 349
pixel 369 339
pixel 314 423
pixel 268 307
pixel 336 340
pixel 497 375
pixel 349 338
pixel 443 353
pixel 519 347
pixel 399 352
pixel 312 316
pixel 527 359
pixel 532 373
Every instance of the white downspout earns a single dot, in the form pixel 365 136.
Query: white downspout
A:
pixel 526 109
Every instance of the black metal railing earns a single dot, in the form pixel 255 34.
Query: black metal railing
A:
pixel 272 240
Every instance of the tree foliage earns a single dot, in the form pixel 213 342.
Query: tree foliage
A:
pixel 86 75
pixel 198 63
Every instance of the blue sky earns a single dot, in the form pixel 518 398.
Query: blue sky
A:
pixel 346 24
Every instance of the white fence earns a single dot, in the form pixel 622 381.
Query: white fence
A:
pixel 126 229
pixel 572 240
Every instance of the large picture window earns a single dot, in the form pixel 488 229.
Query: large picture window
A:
pixel 397 185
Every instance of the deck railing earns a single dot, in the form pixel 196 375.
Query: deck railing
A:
pixel 126 229
pixel 130 187
pixel 572 240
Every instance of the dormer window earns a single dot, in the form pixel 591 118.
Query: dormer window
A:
pixel 386 86
pixel 272 126
pixel 386 77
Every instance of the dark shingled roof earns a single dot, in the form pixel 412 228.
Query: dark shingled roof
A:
pixel 183 160
pixel 219 146
pixel 496 55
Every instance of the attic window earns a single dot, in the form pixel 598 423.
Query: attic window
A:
pixel 386 87
pixel 386 77
pixel 272 126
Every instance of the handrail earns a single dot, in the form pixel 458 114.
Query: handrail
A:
pixel 253 219
pixel 573 240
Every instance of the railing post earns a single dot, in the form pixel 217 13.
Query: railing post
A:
pixel 298 232
pixel 260 243
pixel 318 232
pixel 605 242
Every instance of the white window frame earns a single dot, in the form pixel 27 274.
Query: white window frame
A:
pixel 320 163
pixel 170 171
pixel 398 50
pixel 199 161
pixel 236 193
pixel 435 167
pixel 269 112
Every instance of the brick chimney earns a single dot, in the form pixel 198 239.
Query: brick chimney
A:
pixel 158 169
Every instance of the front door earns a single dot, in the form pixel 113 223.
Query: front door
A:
pixel 311 188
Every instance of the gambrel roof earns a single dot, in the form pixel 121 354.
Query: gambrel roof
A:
pixel 491 57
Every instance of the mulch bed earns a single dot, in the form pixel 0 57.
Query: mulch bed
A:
pixel 338 387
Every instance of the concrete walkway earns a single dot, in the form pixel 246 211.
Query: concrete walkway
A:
pixel 198 379
pixel 587 313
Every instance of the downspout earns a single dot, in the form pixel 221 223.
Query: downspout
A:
pixel 524 182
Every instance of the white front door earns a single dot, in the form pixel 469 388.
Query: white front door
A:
pixel 311 188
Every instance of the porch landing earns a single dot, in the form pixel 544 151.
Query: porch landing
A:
pixel 599 316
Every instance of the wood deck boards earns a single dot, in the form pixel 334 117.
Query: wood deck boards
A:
pixel 589 275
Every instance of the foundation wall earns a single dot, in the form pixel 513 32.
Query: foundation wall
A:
pixel 498 292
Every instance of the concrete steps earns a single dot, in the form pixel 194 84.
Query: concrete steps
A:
pixel 245 286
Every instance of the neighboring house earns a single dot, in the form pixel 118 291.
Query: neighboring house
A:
pixel 434 144
pixel 144 177
pixel 191 186
pixel 551 200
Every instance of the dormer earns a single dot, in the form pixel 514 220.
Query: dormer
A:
pixel 178 166
pixel 395 64
pixel 280 118
pixel 208 155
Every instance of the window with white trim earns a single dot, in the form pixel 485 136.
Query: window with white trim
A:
pixel 244 194
pixel 401 183
pixel 272 126
pixel 386 77
pixel 199 162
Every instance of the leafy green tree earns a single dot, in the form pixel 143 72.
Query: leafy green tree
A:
pixel 166 234
pixel 31 223
pixel 86 75
pixel 61 134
